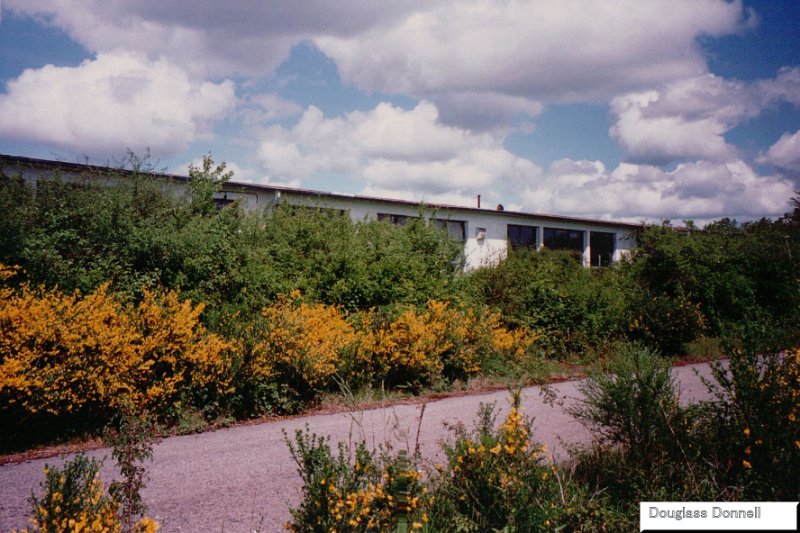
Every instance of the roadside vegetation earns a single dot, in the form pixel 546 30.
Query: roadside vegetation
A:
pixel 127 299
pixel 743 446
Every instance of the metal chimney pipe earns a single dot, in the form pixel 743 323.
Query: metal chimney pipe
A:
pixel 479 201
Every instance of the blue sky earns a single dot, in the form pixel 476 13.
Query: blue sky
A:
pixel 625 110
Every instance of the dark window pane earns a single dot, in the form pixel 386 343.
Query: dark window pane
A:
pixel 563 239
pixel 456 229
pixel 400 220
pixel 521 236
pixel 222 203
pixel 602 248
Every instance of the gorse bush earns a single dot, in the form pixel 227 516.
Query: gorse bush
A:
pixel 354 490
pixel 498 479
pixel 73 501
pixel 301 345
pixel 303 349
pixel 754 424
pixel 81 358
pixel 495 479
pixel 72 360
pixel 441 342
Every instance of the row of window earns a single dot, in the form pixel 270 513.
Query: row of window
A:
pixel 455 228
pixel 520 236
pixel 601 244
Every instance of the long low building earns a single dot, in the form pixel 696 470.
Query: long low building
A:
pixel 487 234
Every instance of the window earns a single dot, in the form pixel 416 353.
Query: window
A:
pixel 455 228
pixel 521 236
pixel 563 239
pixel 399 220
pixel 602 248
pixel 222 203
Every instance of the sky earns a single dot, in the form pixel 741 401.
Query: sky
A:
pixel 615 109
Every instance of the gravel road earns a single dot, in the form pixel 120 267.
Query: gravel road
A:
pixel 243 478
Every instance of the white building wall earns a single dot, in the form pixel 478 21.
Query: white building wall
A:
pixel 485 230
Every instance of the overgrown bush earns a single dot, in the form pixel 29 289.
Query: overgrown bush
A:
pixel 74 501
pixel 439 343
pixel 301 345
pixel 737 277
pixel 576 309
pixel 645 447
pixel 632 403
pixel 752 430
pixel 666 323
pixel 744 445
pixel 355 490
pixel 75 359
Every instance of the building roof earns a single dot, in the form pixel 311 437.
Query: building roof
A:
pixel 233 186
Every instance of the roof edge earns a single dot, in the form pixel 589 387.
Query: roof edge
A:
pixel 86 168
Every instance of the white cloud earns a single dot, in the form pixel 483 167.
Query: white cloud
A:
pixel 700 190
pixel 268 107
pixel 688 118
pixel 210 38
pixel 409 154
pixel 784 154
pixel 549 50
pixel 482 63
pixel 397 152
pixel 477 67
pixel 655 138
pixel 116 101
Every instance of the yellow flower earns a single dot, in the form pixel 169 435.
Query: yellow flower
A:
pixel 747 465
pixel 746 432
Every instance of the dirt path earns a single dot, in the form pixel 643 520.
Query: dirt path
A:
pixel 242 479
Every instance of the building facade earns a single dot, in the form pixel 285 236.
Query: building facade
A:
pixel 486 234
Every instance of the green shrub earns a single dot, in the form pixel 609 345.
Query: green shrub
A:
pixel 73 498
pixel 737 276
pixel 495 479
pixel 752 430
pixel 633 405
pixel 549 291
pixel 353 491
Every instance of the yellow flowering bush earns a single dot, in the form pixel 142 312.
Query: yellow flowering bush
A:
pixel 759 417
pixel 442 341
pixel 498 479
pixel 495 479
pixel 301 344
pixel 356 490
pixel 68 353
pixel 74 502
